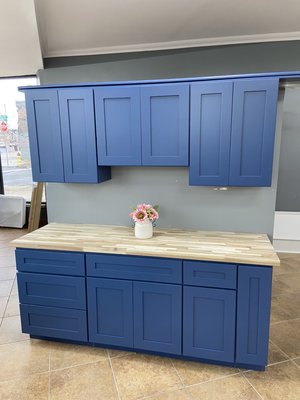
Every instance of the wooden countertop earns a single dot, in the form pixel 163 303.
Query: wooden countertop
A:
pixel 242 248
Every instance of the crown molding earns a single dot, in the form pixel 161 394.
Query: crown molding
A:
pixel 179 44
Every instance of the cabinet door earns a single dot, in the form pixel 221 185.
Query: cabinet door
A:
pixel 253 132
pixel 44 135
pixel 165 124
pixel 209 323
pixel 211 105
pixel 78 136
pixel 110 311
pixel 157 317
pixel 118 125
pixel 253 315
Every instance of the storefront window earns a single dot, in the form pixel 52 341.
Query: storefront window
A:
pixel 14 144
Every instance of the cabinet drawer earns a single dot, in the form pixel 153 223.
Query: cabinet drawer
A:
pixel 134 268
pixel 52 290
pixel 50 262
pixel 60 323
pixel 210 274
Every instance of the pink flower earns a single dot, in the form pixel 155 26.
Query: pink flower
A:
pixel 139 215
pixel 143 212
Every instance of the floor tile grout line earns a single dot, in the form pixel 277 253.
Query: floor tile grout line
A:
pixel 78 365
pixel 293 361
pixel 114 376
pixel 286 320
pixel 276 345
pixel 177 373
pixel 256 391
pixel 214 379
pixel 9 297
pixel 49 375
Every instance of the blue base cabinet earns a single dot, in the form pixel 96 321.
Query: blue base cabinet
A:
pixel 110 311
pixel 209 323
pixel 157 317
pixel 253 315
pixel 199 310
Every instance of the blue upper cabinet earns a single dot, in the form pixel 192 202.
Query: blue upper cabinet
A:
pixel 44 135
pixel 211 104
pixel 232 132
pixel 78 136
pixel 118 125
pixel 62 136
pixel 253 132
pixel 165 124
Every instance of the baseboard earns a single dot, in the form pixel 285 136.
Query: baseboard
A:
pixel 286 246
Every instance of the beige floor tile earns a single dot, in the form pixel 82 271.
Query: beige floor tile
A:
pixel 7 261
pixel 34 387
pixel 181 394
pixel 7 273
pixel 277 312
pixel 196 372
pixel 140 375
pixel 286 335
pixel 12 308
pixel 5 287
pixel 289 303
pixel 289 263
pixel 234 387
pixel 85 382
pixel 286 283
pixel 14 290
pixel 118 353
pixel 278 382
pixel 3 303
pixel 23 359
pixel 10 330
pixel 275 354
pixel 64 355
pixel 297 361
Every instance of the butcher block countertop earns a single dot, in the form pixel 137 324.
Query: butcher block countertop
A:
pixel 242 248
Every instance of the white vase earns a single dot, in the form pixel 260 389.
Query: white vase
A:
pixel 143 230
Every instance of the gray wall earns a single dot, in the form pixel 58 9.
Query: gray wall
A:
pixel 288 191
pixel 238 209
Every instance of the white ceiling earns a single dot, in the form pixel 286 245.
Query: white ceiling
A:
pixel 20 52
pixel 82 27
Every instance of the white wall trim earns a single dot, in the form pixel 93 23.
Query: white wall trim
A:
pixel 214 41
pixel 286 235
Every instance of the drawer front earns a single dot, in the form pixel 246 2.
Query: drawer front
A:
pixel 210 274
pixel 60 323
pixel 50 262
pixel 52 290
pixel 134 268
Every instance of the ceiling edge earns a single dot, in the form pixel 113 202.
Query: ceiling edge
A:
pixel 220 41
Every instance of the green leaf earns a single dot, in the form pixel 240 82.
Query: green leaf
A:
pixel 156 207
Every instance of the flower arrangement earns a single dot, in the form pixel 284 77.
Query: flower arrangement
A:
pixel 145 212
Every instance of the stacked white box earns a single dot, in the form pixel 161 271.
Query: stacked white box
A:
pixel 12 211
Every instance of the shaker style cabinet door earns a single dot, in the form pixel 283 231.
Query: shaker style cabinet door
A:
pixel 78 136
pixel 44 135
pixel 157 317
pixel 211 105
pixel 253 132
pixel 118 125
pixel 110 314
pixel 253 314
pixel 209 323
pixel 165 124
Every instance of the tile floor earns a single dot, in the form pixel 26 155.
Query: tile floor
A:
pixel 33 369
